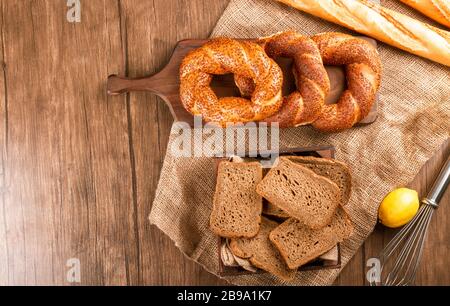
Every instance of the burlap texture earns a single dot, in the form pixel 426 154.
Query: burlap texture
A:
pixel 413 122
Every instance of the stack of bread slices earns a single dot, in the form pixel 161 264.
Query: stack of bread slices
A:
pixel 304 216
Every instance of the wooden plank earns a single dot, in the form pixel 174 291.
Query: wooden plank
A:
pixel 3 183
pixel 68 159
pixel 353 272
pixel 20 249
pixel 152 29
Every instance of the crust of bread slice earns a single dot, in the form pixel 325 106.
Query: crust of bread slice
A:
pixel 273 211
pixel 261 253
pixel 332 169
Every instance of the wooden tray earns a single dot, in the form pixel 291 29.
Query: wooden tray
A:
pixel 324 152
pixel 166 83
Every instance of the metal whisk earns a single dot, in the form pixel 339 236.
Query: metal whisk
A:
pixel 410 240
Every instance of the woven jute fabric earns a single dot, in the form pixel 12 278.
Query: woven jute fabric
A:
pixel 413 121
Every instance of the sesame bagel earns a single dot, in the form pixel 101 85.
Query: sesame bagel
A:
pixel 304 105
pixel 363 72
pixel 242 58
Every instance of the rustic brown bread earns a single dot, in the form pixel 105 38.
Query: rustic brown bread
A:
pixel 261 253
pixel 335 170
pixel 299 244
pixel 237 207
pixel 301 193
pixel 273 211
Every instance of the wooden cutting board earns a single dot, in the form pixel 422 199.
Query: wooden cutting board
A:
pixel 166 83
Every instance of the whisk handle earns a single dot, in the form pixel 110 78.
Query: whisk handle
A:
pixel 440 185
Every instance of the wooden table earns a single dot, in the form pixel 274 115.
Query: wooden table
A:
pixel 79 169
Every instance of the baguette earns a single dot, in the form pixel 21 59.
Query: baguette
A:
pixel 438 10
pixel 386 25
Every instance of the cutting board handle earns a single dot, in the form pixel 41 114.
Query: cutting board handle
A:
pixel 117 85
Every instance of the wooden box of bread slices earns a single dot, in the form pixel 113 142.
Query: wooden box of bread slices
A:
pixel 230 265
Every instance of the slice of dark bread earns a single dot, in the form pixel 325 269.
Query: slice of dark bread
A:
pixel 261 253
pixel 273 211
pixel 237 207
pixel 301 193
pixel 299 244
pixel 335 170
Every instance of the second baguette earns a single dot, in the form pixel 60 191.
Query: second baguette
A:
pixel 438 10
pixel 386 25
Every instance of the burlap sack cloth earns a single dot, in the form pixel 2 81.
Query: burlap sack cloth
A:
pixel 414 116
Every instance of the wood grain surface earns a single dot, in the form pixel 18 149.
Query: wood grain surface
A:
pixel 78 169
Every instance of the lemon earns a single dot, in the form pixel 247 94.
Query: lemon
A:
pixel 398 207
